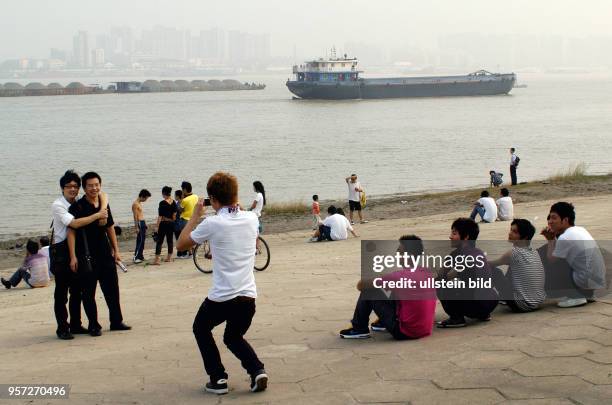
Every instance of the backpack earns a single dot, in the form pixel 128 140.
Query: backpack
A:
pixel 516 161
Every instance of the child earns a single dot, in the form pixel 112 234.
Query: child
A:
pixel 496 178
pixel 34 270
pixel 316 212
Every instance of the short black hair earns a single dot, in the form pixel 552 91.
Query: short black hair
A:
pixel 412 244
pixel 118 230
pixel 68 177
pixel 32 247
pixel 504 192
pixel 564 210
pixel 44 241
pixel 525 229
pixel 315 197
pixel 340 211
pixel 178 193
pixel 466 227
pixel 144 193
pixel 512 150
pixel 186 186
pixel 484 193
pixel 167 190
pixel 331 210
pixel 89 176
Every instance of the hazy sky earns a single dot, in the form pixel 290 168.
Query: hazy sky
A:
pixel 31 27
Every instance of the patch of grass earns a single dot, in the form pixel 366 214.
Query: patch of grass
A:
pixel 287 208
pixel 574 172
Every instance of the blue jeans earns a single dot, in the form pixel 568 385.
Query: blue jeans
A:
pixel 180 224
pixel 140 240
pixel 478 210
pixel 20 274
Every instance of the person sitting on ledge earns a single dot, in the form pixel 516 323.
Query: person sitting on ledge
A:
pixel 522 286
pixel 408 313
pixel 477 302
pixel 34 270
pixel 485 207
pixel 574 263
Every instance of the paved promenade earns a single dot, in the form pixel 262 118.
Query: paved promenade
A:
pixel 552 356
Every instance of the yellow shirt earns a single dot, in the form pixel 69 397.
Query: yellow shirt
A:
pixel 188 204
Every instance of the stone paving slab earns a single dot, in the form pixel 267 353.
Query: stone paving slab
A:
pixel 552 356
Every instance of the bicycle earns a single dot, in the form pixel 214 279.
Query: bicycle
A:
pixel 202 257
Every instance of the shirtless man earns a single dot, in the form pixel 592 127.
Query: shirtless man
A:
pixel 140 225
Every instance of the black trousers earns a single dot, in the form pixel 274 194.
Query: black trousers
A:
pixel 383 307
pixel 560 280
pixel 238 314
pixel 65 281
pixel 105 272
pixel 165 230
pixel 513 175
pixel 458 308
pixel 503 285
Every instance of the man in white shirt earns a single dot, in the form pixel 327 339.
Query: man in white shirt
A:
pixel 65 279
pixel 354 197
pixel 232 235
pixel 573 244
pixel 505 206
pixel 485 207
pixel 513 165
pixel 334 227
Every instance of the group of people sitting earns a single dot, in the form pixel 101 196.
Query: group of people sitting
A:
pixel 491 210
pixel 335 227
pixel 570 267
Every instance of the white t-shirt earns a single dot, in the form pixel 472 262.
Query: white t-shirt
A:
pixel 61 219
pixel 505 208
pixel 512 159
pixel 490 208
pixel 340 226
pixel 232 235
pixel 44 251
pixel 579 249
pixel 354 195
pixel 259 203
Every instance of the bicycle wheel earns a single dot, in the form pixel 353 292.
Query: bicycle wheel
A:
pixel 202 257
pixel 262 255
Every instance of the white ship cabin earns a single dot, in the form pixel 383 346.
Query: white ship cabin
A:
pixel 332 69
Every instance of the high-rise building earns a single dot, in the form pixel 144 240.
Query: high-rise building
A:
pixel 80 50
pixel 97 57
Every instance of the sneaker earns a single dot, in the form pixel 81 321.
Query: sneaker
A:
pixel 354 334
pixel 352 222
pixel 219 387
pixel 452 323
pixel 64 335
pixel 6 283
pixel 313 239
pixel 259 381
pixel 364 222
pixel 377 326
pixel 137 261
pixel 183 257
pixel 502 302
pixel 572 302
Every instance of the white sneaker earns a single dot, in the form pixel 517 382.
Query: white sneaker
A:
pixel 313 239
pixel 137 261
pixel 572 302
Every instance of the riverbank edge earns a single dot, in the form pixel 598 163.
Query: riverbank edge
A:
pixel 404 205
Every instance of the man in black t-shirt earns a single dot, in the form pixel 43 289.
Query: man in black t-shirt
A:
pixel 94 252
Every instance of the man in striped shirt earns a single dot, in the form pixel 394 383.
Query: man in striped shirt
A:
pixel 522 286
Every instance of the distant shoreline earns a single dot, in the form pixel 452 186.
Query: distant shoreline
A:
pixel 378 208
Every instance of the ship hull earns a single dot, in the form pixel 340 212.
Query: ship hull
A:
pixel 450 86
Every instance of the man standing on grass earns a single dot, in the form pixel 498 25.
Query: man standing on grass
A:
pixel 354 197
pixel 140 225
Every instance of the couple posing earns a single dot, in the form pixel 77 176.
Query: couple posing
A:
pixel 83 252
